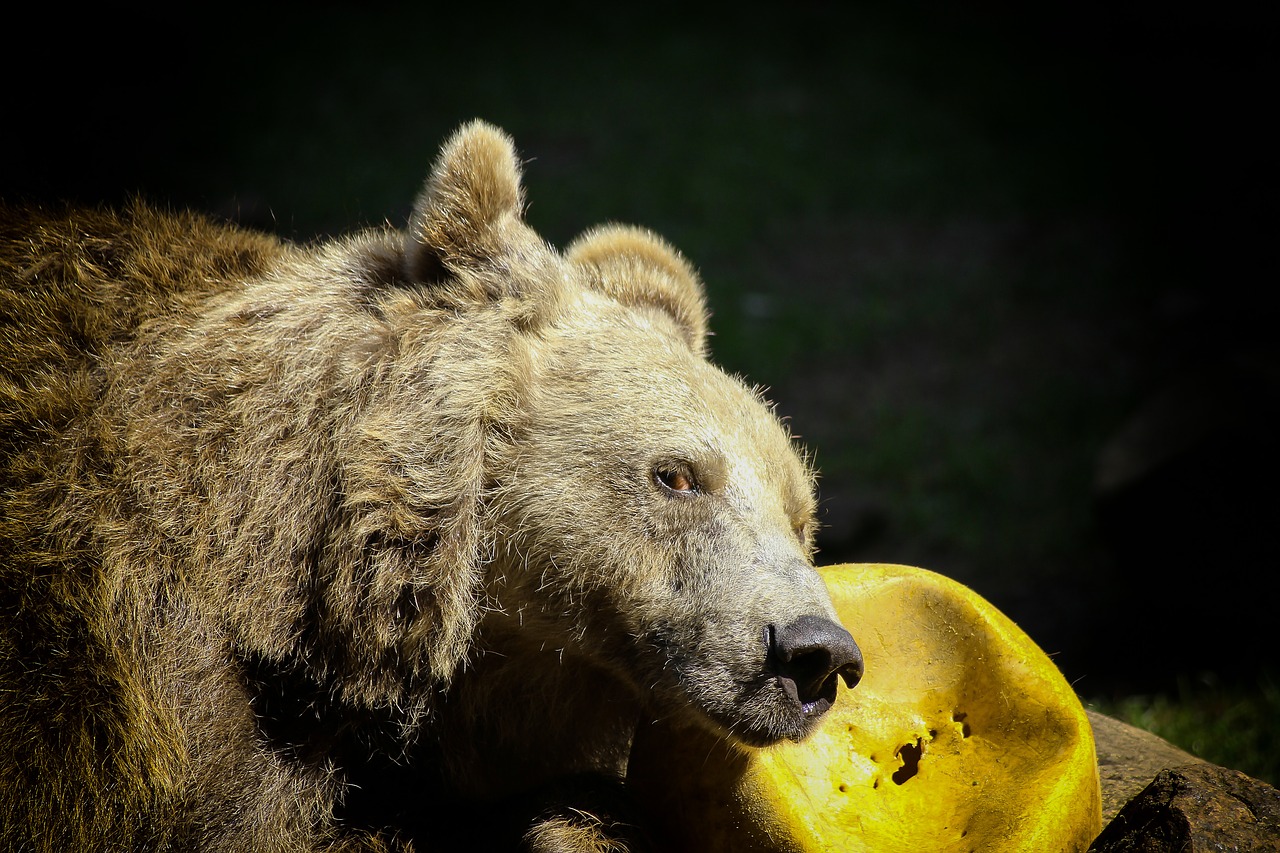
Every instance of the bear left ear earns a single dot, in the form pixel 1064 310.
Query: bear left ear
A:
pixel 468 218
pixel 637 267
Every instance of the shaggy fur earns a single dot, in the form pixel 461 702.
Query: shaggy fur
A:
pixel 304 545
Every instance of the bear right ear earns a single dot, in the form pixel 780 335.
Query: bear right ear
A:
pixel 637 267
pixel 468 218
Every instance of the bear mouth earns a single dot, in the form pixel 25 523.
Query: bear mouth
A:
pixel 774 713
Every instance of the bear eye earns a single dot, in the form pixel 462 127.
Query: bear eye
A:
pixel 676 478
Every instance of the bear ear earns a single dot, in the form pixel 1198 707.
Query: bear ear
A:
pixel 467 218
pixel 637 267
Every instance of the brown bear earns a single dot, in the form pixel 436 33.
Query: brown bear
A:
pixel 316 547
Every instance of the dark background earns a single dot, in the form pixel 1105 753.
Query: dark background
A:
pixel 1009 275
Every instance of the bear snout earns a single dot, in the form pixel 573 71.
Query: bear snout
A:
pixel 808 656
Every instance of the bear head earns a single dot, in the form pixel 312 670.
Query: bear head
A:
pixel 642 510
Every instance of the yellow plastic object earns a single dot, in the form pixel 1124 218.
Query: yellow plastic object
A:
pixel 962 736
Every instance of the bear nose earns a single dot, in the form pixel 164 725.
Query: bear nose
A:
pixel 808 655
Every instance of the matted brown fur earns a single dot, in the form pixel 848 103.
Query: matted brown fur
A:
pixel 277 518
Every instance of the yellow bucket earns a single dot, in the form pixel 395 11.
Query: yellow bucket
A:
pixel 962 736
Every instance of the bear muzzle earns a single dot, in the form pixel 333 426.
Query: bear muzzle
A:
pixel 808 656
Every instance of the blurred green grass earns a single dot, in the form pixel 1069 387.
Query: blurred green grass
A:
pixel 1233 725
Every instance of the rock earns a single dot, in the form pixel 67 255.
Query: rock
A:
pixel 1128 759
pixel 1196 808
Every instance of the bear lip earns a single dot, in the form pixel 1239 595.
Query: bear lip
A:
pixel 765 733
pixel 816 706
pixel 775 714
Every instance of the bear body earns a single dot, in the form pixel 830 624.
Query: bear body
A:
pixel 439 514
